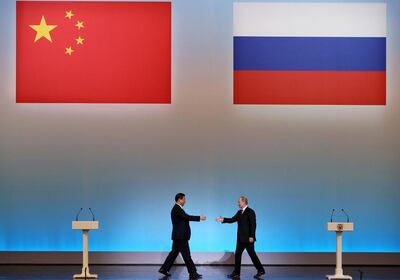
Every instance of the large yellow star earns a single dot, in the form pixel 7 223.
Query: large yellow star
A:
pixel 43 30
pixel 69 51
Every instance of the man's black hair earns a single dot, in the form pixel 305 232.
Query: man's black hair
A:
pixel 179 196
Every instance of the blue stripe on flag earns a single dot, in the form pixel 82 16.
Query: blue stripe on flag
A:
pixel 310 53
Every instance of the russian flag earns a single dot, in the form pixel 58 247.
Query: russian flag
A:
pixel 310 53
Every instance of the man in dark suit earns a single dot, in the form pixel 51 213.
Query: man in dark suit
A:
pixel 246 236
pixel 180 238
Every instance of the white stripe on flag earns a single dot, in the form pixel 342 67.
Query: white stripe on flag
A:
pixel 310 19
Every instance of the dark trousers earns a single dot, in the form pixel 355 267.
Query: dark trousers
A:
pixel 180 246
pixel 240 246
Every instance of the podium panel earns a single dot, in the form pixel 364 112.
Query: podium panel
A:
pixel 340 226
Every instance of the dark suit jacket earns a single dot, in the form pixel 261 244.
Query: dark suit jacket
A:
pixel 180 223
pixel 246 224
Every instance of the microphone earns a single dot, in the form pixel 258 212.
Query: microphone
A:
pixel 90 209
pixel 333 211
pixel 77 214
pixel 348 218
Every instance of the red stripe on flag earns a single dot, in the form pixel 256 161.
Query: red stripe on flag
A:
pixel 310 87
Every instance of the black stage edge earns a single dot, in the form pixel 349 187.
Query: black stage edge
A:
pixel 125 272
pixel 200 258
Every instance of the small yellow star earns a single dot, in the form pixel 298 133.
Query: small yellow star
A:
pixel 69 14
pixel 79 40
pixel 69 50
pixel 79 24
pixel 43 30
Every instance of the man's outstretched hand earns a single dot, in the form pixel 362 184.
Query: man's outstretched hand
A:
pixel 220 219
pixel 202 217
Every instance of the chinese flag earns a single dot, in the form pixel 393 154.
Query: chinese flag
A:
pixel 93 52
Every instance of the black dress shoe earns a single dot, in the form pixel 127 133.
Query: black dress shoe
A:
pixel 162 271
pixel 259 274
pixel 233 275
pixel 195 275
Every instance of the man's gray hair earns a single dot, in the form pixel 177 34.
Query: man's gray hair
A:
pixel 242 197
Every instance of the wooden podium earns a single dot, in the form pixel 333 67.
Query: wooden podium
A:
pixel 85 226
pixel 339 228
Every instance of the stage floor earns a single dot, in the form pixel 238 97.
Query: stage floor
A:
pixel 36 272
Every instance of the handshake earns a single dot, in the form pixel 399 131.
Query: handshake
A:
pixel 219 219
